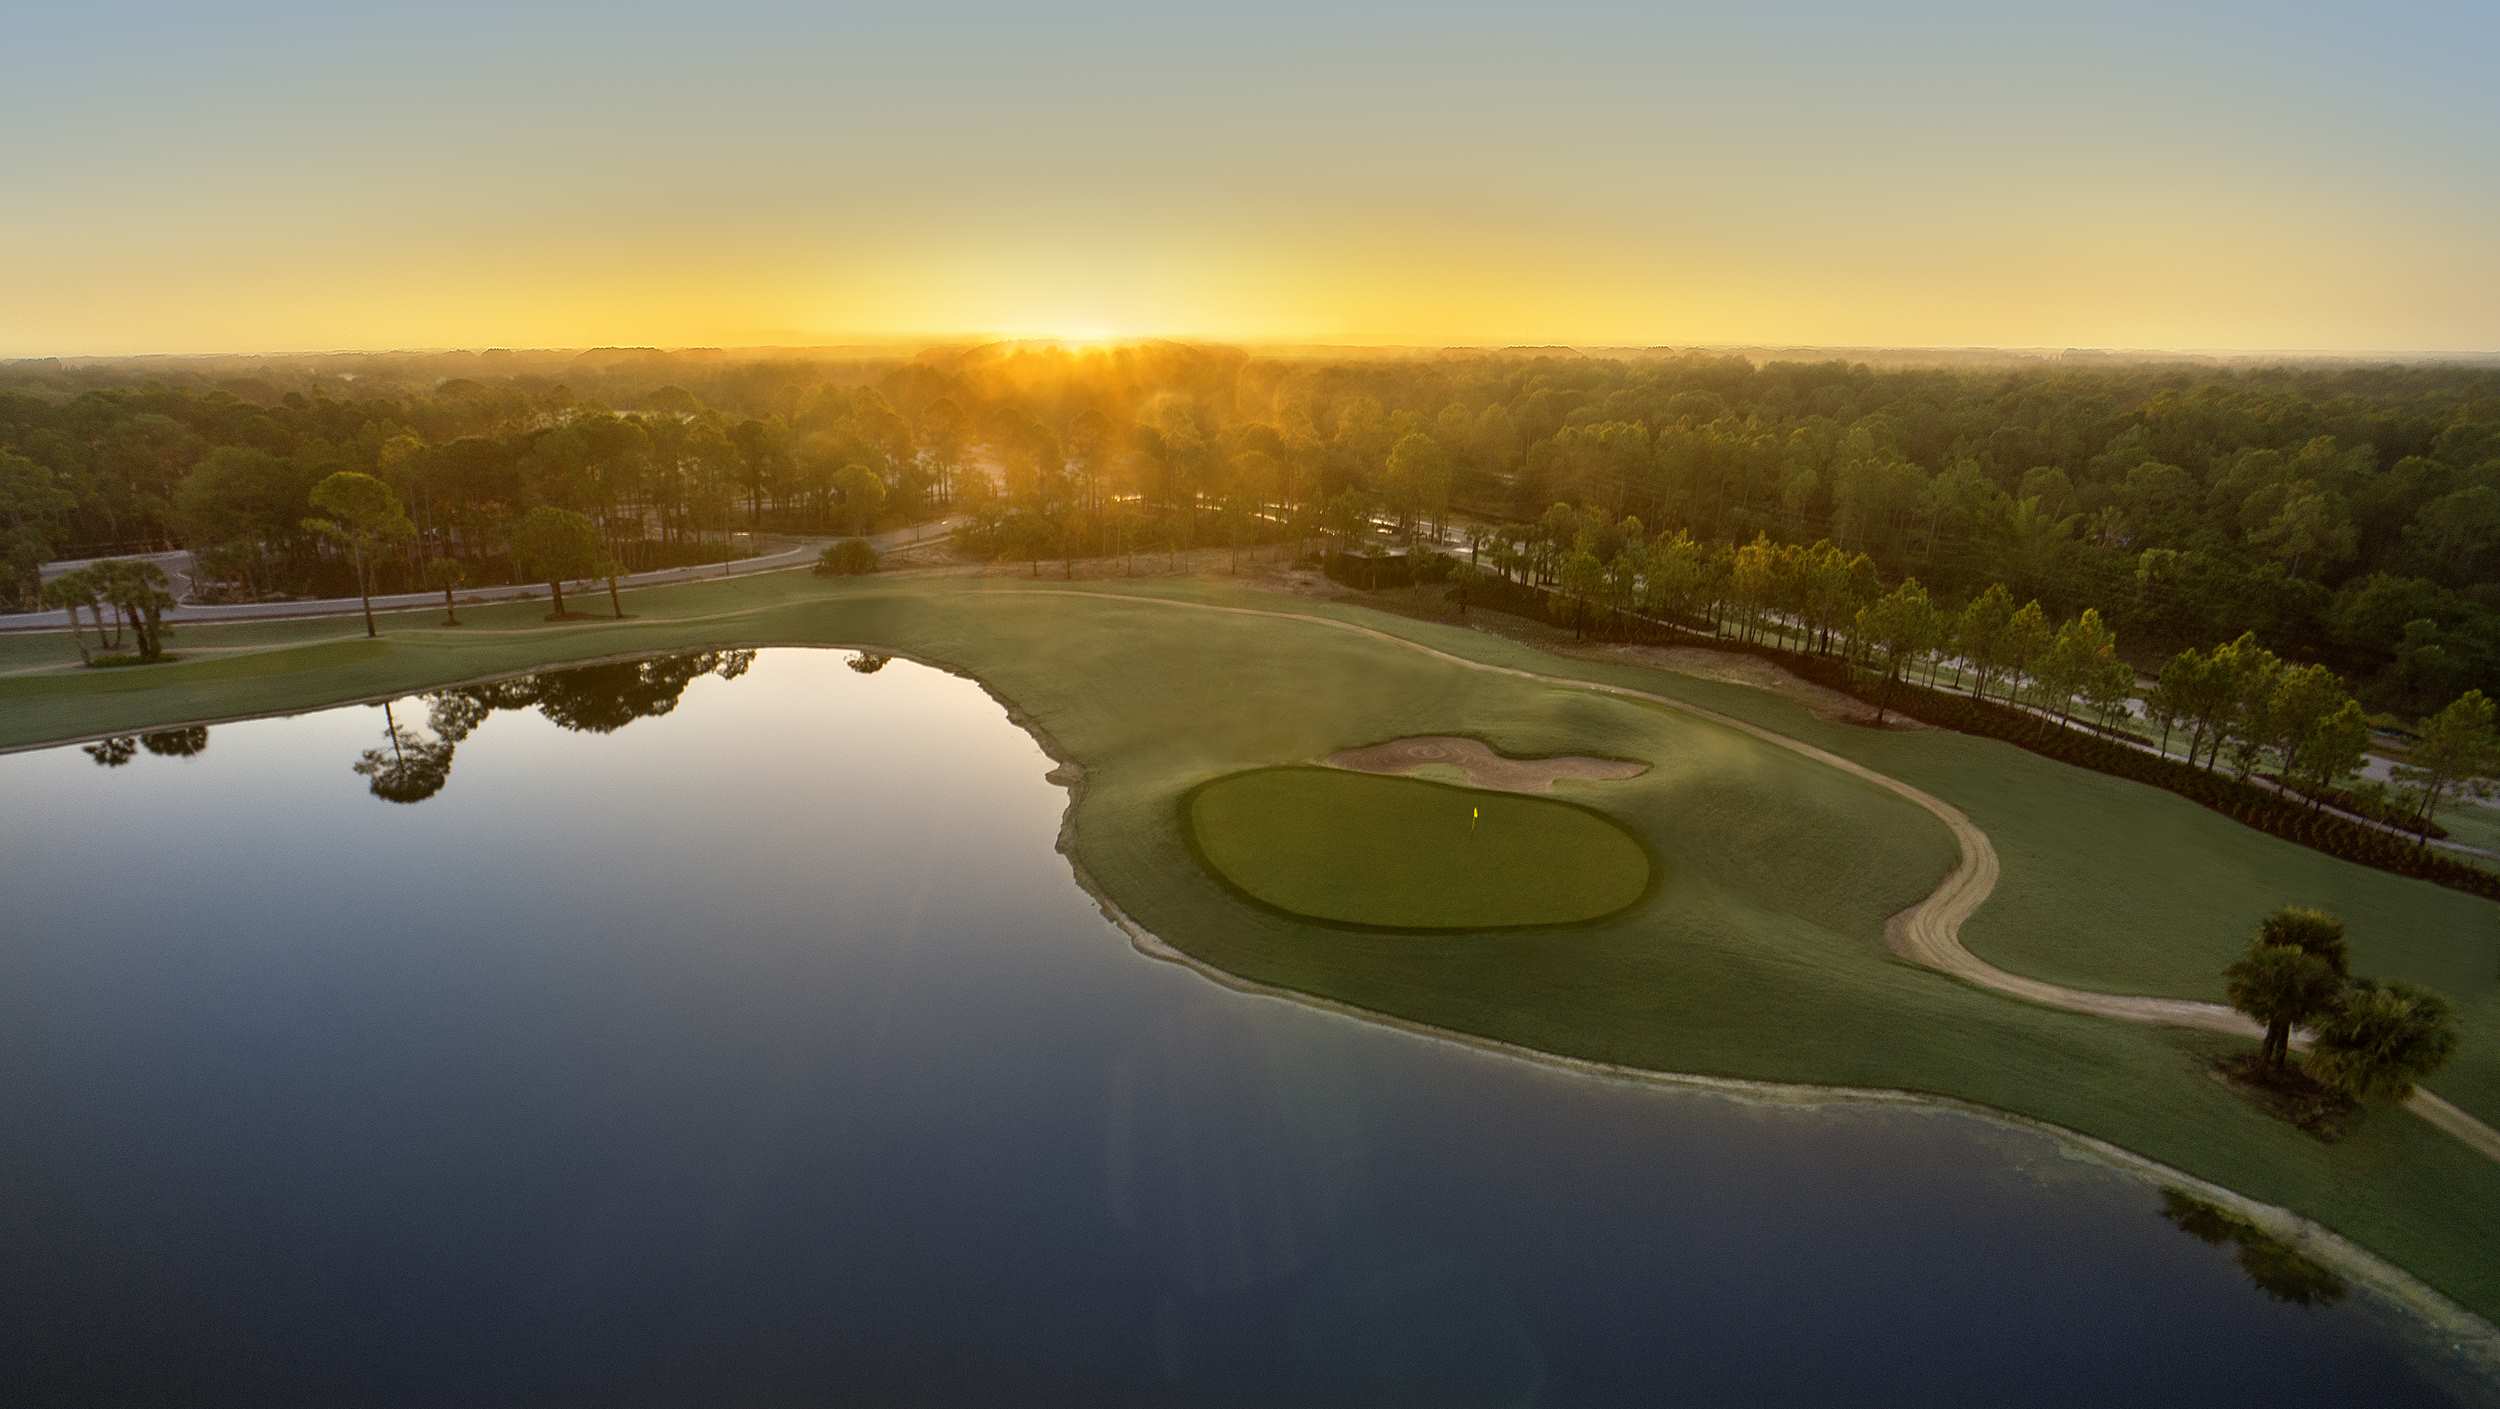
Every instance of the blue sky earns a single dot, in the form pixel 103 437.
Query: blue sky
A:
pixel 267 177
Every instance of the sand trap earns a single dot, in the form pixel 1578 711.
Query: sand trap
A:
pixel 1482 766
pixel 1930 931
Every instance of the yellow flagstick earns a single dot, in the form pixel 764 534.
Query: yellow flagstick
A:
pixel 1472 814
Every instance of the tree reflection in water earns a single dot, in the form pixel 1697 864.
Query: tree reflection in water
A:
pixel 164 743
pixel 176 743
pixel 414 765
pixel 2277 1269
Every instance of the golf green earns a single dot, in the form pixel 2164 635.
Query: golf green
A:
pixel 1404 853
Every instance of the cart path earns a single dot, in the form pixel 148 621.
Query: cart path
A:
pixel 1929 932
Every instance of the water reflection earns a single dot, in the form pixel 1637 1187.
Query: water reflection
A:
pixel 770 1055
pixel 2274 1266
pixel 186 742
pixel 412 766
pixel 176 743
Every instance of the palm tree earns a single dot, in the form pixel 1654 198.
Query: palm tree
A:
pixel 2295 970
pixel 136 588
pixel 74 592
pixel 2382 1039
pixel 2310 930
pixel 2281 986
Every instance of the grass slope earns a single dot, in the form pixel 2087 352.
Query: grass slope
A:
pixel 1764 958
pixel 1405 853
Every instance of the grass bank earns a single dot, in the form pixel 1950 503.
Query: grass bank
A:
pixel 1760 957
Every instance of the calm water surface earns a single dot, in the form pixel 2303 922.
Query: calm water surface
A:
pixel 728 1031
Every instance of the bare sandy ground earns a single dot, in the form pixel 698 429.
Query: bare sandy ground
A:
pixel 1482 765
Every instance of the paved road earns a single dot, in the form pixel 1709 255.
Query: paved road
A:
pixel 800 556
pixel 175 563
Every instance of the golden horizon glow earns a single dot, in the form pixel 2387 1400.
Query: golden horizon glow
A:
pixel 1071 337
pixel 1942 176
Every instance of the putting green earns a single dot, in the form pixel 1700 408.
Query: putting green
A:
pixel 1406 853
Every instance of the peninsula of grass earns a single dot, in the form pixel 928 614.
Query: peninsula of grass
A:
pixel 1409 854
pixel 1764 957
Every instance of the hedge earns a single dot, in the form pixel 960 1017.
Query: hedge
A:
pixel 2247 803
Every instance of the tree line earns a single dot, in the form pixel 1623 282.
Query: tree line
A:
pixel 2236 706
pixel 2348 516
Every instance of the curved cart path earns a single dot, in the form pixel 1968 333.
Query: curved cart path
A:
pixel 1929 932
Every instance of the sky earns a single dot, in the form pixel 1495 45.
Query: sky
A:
pixel 271 177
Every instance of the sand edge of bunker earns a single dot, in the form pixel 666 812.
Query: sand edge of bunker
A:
pixel 1591 821
pixel 1482 764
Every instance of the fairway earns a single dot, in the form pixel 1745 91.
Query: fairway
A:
pixel 1764 959
pixel 1406 853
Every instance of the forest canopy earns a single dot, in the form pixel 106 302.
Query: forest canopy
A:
pixel 2345 514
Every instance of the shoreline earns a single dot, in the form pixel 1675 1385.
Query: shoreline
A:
pixel 2466 1335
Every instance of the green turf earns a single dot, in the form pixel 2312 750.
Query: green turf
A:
pixel 1404 853
pixel 2474 825
pixel 1762 958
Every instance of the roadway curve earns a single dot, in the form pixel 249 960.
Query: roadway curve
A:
pixel 1929 932
pixel 802 554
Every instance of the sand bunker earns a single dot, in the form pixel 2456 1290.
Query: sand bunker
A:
pixel 1482 766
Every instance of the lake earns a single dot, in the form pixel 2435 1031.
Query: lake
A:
pixel 727 1029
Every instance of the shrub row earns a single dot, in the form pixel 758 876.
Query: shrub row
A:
pixel 2351 801
pixel 2254 806
pixel 2247 803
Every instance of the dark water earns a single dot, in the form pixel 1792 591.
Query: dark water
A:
pixel 762 1050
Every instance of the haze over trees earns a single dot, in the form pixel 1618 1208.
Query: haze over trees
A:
pixel 2344 517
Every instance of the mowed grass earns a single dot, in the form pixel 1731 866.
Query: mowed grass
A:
pixel 1405 853
pixel 1762 957
pixel 2475 825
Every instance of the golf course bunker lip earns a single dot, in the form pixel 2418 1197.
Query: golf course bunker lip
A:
pixel 1370 851
pixel 1485 766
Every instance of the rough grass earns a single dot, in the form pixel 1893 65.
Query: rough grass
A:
pixel 1762 959
pixel 1405 853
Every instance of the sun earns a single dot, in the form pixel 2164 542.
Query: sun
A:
pixel 1073 336
pixel 1081 337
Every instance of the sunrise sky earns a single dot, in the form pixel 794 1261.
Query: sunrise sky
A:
pixel 271 177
